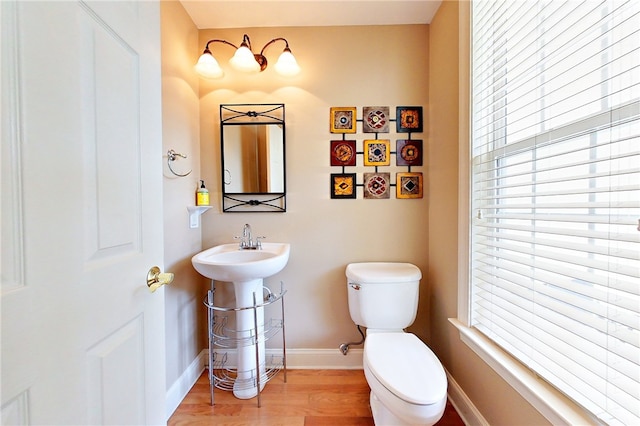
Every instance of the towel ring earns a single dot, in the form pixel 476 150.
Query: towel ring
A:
pixel 171 157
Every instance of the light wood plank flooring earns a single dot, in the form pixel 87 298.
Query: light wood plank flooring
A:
pixel 309 398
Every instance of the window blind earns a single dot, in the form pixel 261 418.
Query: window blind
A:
pixel 555 269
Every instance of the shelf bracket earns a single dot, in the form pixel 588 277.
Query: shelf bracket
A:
pixel 194 215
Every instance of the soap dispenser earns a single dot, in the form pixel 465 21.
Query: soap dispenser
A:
pixel 202 196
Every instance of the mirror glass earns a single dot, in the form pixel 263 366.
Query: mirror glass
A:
pixel 253 157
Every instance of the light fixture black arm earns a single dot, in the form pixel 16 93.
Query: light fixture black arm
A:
pixel 206 47
pixel 246 41
pixel 273 41
pixel 262 60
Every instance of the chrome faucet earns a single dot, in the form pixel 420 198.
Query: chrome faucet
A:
pixel 246 241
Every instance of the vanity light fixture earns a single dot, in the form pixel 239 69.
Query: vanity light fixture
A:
pixel 246 61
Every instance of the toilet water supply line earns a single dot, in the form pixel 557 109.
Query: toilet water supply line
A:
pixel 344 348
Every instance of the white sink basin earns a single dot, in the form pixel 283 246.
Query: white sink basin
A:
pixel 227 262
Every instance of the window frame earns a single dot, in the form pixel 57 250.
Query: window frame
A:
pixel 552 404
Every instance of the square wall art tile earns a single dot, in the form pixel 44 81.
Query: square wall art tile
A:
pixel 343 185
pixel 343 153
pixel 343 120
pixel 377 185
pixel 375 119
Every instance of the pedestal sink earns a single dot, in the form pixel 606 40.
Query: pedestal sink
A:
pixel 246 269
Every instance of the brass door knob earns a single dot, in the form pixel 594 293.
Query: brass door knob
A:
pixel 156 279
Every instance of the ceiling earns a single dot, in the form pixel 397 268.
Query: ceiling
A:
pixel 300 13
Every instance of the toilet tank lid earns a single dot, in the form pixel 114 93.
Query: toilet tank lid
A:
pixel 382 272
pixel 406 367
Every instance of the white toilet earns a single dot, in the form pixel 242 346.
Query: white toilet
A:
pixel 408 384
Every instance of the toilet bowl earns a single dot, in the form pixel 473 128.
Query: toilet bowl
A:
pixel 408 383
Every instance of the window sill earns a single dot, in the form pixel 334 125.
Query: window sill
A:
pixel 553 405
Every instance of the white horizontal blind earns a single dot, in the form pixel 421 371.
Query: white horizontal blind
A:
pixel 556 194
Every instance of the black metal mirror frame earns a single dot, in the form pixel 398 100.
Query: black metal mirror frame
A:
pixel 251 114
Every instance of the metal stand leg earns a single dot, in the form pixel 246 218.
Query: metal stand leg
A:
pixel 211 325
pixel 257 341
pixel 284 342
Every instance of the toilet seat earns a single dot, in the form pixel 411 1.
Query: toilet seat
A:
pixel 404 365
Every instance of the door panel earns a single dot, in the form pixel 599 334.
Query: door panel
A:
pixel 119 355
pixel 111 143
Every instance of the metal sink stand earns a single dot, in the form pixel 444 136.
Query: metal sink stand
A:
pixel 220 336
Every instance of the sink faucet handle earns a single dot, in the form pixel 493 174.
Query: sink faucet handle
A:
pixel 259 242
pixel 243 240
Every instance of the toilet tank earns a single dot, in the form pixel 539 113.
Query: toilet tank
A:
pixel 383 295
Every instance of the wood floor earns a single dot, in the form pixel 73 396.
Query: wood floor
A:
pixel 309 398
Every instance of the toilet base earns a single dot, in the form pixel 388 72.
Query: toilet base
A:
pixel 416 415
pixel 382 416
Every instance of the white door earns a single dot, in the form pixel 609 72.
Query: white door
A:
pixel 82 337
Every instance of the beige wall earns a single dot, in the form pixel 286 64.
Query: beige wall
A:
pixel 496 400
pixel 341 66
pixel 185 317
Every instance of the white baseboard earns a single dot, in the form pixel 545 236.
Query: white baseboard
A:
pixel 463 405
pixel 324 359
pixel 188 378
pixel 311 359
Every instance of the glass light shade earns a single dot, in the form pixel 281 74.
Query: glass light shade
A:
pixel 287 64
pixel 243 60
pixel 208 67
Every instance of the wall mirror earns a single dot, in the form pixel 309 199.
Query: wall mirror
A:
pixel 252 138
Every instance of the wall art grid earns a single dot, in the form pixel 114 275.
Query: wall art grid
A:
pixel 376 152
